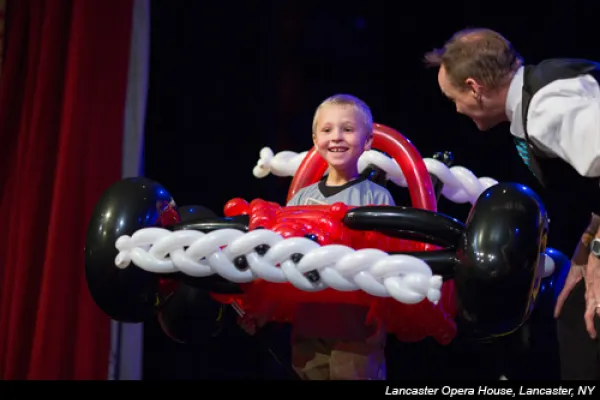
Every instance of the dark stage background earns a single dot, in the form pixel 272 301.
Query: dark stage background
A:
pixel 229 78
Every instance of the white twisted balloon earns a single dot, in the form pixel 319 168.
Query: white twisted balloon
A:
pixel 407 279
pixel 285 163
pixel 460 184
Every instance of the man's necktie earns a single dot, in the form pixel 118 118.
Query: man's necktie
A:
pixel 523 150
pixel 526 155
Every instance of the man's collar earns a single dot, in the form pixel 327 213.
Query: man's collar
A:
pixel 514 99
pixel 515 92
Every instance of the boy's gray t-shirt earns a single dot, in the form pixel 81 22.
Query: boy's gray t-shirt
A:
pixel 359 192
pixel 337 321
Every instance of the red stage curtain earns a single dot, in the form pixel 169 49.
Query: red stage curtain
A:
pixel 2 29
pixel 62 95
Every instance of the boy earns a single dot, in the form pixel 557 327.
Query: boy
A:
pixel 332 341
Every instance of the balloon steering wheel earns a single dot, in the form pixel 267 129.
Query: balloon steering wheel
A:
pixel 398 147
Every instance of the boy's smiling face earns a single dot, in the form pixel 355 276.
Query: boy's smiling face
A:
pixel 341 136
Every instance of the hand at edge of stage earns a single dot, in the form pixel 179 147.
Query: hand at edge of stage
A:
pixel 576 274
pixel 579 261
pixel 592 294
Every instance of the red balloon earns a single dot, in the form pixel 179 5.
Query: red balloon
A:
pixel 167 214
pixel 166 286
pixel 289 229
pixel 345 237
pixel 258 204
pixel 264 222
pixel 235 207
pixel 333 228
pixel 338 211
pixel 310 171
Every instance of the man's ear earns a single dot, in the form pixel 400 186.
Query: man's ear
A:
pixel 474 87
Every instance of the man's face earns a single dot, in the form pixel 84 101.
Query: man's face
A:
pixel 470 101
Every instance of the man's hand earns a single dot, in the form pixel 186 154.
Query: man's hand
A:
pixel 576 274
pixel 579 261
pixel 592 294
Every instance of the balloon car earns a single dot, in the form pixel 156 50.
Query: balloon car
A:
pixel 418 270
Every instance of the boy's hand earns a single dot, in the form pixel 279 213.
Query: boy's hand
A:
pixel 248 324
pixel 379 334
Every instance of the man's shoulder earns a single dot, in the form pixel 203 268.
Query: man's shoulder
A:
pixel 567 63
pixel 546 72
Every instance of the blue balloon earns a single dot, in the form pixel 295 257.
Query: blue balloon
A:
pixel 551 286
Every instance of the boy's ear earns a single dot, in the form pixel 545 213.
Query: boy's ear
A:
pixel 314 137
pixel 369 142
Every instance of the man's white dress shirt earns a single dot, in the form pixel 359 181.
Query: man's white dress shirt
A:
pixel 563 120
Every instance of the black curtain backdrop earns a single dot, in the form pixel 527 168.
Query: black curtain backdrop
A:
pixel 229 78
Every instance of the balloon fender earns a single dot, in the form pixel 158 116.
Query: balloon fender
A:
pixel 497 278
pixel 129 294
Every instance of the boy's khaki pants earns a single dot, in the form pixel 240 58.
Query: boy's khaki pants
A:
pixel 324 359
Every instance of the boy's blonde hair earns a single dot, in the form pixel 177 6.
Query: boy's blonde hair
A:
pixel 347 100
